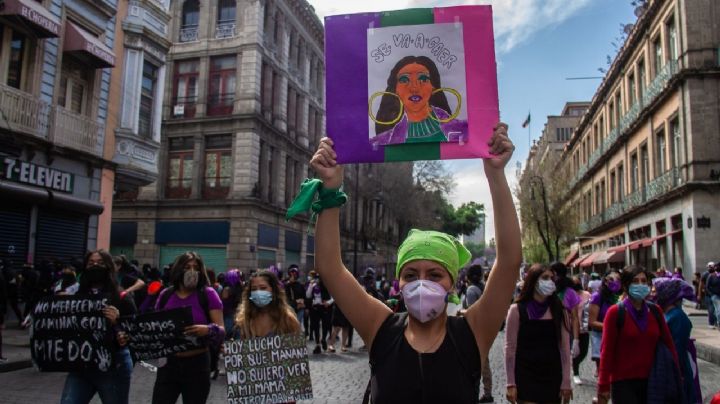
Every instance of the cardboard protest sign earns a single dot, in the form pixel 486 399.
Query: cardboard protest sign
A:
pixel 268 370
pixel 416 84
pixel 159 334
pixel 70 333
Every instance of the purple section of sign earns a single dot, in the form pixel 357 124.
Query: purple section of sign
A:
pixel 346 86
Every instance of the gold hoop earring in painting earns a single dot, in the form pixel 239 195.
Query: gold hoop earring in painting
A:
pixel 459 104
pixel 374 118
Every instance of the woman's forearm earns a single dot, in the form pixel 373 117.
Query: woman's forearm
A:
pixel 327 240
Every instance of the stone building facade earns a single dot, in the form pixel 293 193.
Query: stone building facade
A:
pixel 645 159
pixel 56 58
pixel 243 111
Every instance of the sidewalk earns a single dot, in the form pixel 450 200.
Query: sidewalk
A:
pixel 15 347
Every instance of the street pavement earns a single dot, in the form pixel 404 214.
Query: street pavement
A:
pixel 336 378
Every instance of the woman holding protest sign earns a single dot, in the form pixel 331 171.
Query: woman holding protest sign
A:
pixel 188 373
pixel 264 310
pixel 112 386
pixel 426 356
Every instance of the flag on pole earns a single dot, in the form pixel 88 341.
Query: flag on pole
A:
pixel 527 121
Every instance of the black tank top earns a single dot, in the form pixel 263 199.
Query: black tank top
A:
pixel 399 374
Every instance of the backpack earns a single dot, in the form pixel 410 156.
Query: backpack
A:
pixel 665 380
pixel 202 299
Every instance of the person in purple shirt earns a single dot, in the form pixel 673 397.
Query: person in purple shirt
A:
pixel 188 373
pixel 600 302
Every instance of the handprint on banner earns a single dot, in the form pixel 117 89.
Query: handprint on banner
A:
pixel 103 359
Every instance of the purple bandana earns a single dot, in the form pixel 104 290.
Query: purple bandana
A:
pixel 640 317
pixel 536 309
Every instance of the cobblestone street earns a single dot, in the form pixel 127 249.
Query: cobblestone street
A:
pixel 336 378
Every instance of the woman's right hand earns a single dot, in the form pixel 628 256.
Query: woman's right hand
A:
pixel 325 164
pixel 511 394
pixel 603 398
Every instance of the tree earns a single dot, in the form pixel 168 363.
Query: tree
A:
pixel 476 249
pixel 463 220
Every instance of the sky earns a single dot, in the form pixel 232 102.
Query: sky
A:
pixel 538 45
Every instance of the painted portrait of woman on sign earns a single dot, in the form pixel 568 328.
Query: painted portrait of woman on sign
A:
pixel 416 85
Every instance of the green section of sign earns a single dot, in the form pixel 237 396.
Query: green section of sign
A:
pixel 412 16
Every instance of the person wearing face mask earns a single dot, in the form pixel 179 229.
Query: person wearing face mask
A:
pixel 582 312
pixel 629 344
pixel 537 342
pixel 669 295
pixel 112 386
pixel 188 373
pixel 600 302
pixel 320 311
pixel 264 310
pixel 422 355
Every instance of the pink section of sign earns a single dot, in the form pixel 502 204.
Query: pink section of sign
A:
pixel 481 80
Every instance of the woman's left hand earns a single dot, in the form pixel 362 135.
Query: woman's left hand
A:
pixel 501 148
pixel 197 330
pixel 566 395
pixel 111 313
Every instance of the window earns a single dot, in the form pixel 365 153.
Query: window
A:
pixel 631 90
pixel 268 173
pixel 222 85
pixel 676 142
pixel 596 137
pixel 660 150
pixel 613 187
pixel 618 108
pixel 658 53
pixel 186 90
pixel 291 110
pixel 190 21
pixel 672 39
pixel 289 179
pixel 225 19
pixel 75 81
pixel 266 89
pixel 645 159
pixel 147 96
pixel 598 202
pixel 641 78
pixel 602 128
pixel 634 173
pixel 621 181
pixel 218 166
pixel 611 115
pixel 180 167
pixel 18 48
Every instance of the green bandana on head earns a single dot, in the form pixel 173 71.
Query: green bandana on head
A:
pixel 434 246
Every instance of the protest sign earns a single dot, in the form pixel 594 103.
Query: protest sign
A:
pixel 70 333
pixel 423 86
pixel 159 334
pixel 268 370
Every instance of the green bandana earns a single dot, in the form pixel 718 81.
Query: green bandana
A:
pixel 314 197
pixel 433 246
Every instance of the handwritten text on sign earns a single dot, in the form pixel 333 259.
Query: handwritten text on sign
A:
pixel 159 334
pixel 268 370
pixel 71 333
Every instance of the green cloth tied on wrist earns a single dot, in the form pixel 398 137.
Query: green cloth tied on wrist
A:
pixel 313 196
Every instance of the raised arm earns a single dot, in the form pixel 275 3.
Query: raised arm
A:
pixel 365 313
pixel 486 315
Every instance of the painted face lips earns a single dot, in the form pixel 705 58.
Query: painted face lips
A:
pixel 415 98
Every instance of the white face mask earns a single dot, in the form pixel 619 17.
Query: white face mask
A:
pixel 190 279
pixel 545 287
pixel 425 300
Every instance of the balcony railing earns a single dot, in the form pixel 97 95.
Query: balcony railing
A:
pixel 225 29
pixel 614 211
pixel 189 33
pixel 75 131
pixel 220 104
pixel 662 184
pixel 658 84
pixel 22 112
pixel 650 94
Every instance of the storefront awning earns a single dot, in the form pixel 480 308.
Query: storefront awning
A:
pixel 31 15
pixel 610 257
pixel 87 47
pixel 578 260
pixel 571 257
pixel 46 197
pixel 589 260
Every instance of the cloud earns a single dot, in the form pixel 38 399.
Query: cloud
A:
pixel 515 21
